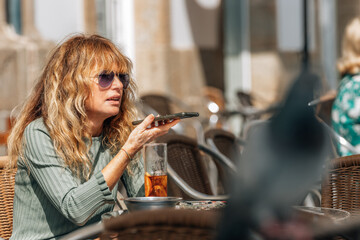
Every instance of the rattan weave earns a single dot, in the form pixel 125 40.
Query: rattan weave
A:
pixel 7 182
pixel 162 224
pixel 188 161
pixel 225 142
pixel 341 186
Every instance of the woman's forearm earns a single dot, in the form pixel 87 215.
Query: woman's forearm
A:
pixel 115 168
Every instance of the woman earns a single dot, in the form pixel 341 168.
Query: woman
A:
pixel 74 140
pixel 345 112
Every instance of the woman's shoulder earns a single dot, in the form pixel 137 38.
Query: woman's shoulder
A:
pixel 350 77
pixel 348 82
pixel 36 125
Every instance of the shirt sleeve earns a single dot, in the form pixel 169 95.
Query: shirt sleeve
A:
pixel 75 200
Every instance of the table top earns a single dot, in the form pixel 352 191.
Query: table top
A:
pixel 320 214
pixel 201 205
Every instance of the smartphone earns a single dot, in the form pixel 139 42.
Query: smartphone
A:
pixel 179 115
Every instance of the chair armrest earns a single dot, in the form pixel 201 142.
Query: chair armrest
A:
pixel 339 138
pixel 218 156
pixel 190 191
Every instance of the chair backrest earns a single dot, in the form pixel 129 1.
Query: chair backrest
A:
pixel 245 99
pixel 186 159
pixel 7 182
pixel 341 185
pixel 158 102
pixel 226 142
pixel 164 223
pixel 4 134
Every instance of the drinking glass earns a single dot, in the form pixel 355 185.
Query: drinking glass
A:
pixel 155 160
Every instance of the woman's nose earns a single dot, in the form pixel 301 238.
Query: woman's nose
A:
pixel 117 83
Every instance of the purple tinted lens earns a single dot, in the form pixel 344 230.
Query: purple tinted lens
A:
pixel 125 79
pixel 105 79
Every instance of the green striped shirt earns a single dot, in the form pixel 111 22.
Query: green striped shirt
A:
pixel 49 201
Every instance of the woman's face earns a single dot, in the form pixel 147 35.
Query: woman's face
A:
pixel 104 102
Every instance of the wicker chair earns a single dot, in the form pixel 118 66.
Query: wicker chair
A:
pixel 225 142
pixel 229 145
pixel 7 182
pixel 162 224
pixel 245 99
pixel 5 134
pixel 341 186
pixel 187 168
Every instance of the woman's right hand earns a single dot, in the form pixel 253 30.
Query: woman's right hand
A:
pixel 143 134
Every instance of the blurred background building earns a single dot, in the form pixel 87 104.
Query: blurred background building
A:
pixel 181 48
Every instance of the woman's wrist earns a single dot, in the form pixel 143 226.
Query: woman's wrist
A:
pixel 129 150
pixel 130 158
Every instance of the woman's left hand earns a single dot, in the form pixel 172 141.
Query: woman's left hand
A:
pixel 143 133
pixel 146 132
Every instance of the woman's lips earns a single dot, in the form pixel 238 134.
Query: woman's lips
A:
pixel 113 99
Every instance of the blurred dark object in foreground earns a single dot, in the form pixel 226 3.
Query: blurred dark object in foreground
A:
pixel 349 230
pixel 283 159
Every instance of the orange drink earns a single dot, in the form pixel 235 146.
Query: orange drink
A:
pixel 155 186
pixel 155 163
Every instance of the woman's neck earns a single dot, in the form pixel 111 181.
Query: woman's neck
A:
pixel 96 127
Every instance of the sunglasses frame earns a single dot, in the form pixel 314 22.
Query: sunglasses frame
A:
pixel 123 77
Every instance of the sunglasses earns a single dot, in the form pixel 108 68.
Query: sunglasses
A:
pixel 106 79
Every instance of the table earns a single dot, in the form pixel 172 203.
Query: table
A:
pixel 201 205
pixel 320 215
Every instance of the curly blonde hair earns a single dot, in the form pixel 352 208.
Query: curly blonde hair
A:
pixel 59 97
pixel 350 60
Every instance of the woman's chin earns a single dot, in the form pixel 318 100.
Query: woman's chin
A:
pixel 113 114
pixel 108 114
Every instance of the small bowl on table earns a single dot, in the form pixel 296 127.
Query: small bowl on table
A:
pixel 150 203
